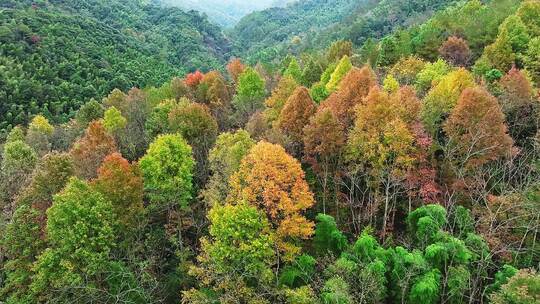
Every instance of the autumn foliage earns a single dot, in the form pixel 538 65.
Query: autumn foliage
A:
pixel 296 113
pixel 398 166
pixel 456 51
pixel 235 67
pixel 381 136
pixel 274 104
pixel 519 106
pixel 324 139
pixel 324 136
pixel 215 92
pixel 516 84
pixel 121 183
pixel 272 180
pixel 476 129
pixel 89 151
pixel 193 79
pixel 356 86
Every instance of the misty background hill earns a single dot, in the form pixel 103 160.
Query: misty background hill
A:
pixel 226 12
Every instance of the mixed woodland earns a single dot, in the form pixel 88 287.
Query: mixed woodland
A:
pixel 376 152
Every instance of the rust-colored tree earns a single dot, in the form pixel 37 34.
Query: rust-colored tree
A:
pixel 476 129
pixel 235 67
pixel 516 83
pixel 456 51
pixel 296 113
pixel 121 183
pixel 407 104
pixel 420 179
pixel 213 91
pixel 273 181
pixel 324 138
pixel 354 88
pixel 519 106
pixel 193 79
pixel 89 151
pixel 324 135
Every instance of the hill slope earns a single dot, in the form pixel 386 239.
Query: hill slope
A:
pixel 314 24
pixel 261 35
pixel 56 55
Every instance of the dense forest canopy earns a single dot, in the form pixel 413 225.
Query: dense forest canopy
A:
pixel 266 33
pixel 312 24
pixel 57 55
pixel 328 152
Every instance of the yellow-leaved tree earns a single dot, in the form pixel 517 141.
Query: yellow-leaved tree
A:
pixel 273 181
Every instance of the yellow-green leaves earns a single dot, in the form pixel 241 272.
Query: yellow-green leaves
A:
pixel 442 98
pixel 343 67
pixel 167 170
pixel 113 120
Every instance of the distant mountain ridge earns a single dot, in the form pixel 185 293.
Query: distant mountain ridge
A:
pixel 226 12
pixel 314 24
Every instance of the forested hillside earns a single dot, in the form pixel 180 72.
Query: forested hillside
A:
pixel 400 164
pixel 267 34
pixel 57 55
pixel 312 24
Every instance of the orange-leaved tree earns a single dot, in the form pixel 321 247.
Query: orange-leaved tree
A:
pixel 324 138
pixel 122 184
pixel 274 104
pixel 235 67
pixel 214 92
pixel 89 151
pixel 296 113
pixel 476 129
pixel 354 88
pixel 193 79
pixel 272 180
pixel 519 106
